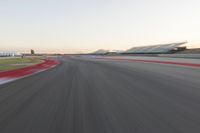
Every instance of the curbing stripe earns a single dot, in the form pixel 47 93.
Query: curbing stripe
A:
pixel 8 76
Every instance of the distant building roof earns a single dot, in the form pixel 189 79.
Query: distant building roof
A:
pixel 162 48
pixel 101 51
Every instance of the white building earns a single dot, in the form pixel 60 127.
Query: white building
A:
pixel 7 54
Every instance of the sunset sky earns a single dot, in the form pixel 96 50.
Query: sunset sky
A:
pixel 79 26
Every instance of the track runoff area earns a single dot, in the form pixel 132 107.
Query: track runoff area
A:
pixel 90 94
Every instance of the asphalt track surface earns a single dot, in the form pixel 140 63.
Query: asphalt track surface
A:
pixel 103 96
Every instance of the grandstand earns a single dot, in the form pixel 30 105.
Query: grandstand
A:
pixel 157 49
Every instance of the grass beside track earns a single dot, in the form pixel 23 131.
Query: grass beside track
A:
pixel 15 63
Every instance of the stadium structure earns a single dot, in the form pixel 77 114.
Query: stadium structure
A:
pixel 157 49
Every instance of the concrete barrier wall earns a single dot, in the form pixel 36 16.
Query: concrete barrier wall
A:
pixel 193 56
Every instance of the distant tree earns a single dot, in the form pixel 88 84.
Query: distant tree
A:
pixel 22 56
pixel 32 51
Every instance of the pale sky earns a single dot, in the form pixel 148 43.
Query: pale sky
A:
pixel 74 26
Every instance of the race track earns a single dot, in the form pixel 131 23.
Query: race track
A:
pixel 88 95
